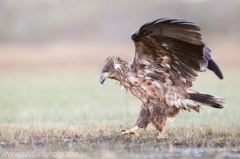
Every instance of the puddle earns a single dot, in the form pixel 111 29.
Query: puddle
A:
pixel 179 153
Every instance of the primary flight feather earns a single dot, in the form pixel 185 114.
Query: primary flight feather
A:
pixel 169 55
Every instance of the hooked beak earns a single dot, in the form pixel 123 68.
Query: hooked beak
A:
pixel 102 78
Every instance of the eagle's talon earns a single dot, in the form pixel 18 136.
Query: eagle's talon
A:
pixel 121 132
pixel 130 131
pixel 161 135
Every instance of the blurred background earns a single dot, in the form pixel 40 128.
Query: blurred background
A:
pixel 51 53
pixel 81 33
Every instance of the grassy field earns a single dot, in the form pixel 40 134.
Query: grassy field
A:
pixel 69 111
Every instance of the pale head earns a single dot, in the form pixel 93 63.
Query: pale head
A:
pixel 109 69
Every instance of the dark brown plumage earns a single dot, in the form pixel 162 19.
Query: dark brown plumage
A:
pixel 169 54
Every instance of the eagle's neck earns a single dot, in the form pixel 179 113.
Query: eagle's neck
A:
pixel 122 68
pixel 124 71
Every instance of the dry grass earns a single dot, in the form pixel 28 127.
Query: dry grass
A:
pixel 179 134
pixel 97 140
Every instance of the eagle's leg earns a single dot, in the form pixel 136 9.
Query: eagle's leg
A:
pixel 161 133
pixel 143 118
pixel 158 119
pixel 160 122
pixel 142 122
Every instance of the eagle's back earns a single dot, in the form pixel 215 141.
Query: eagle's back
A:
pixel 146 88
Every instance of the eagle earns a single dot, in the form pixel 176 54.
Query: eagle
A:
pixel 169 54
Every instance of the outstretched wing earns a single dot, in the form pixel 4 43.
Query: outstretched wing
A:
pixel 171 49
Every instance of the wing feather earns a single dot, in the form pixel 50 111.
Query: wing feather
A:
pixel 172 46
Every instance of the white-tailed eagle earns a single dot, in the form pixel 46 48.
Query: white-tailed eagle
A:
pixel 169 55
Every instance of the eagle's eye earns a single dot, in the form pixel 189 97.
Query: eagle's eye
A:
pixel 105 70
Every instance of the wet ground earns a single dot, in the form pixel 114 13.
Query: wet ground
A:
pixel 123 147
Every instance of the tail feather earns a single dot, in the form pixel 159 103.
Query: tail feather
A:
pixel 213 67
pixel 206 99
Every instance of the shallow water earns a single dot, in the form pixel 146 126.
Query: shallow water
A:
pixel 228 153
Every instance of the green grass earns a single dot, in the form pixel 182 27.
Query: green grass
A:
pixel 54 109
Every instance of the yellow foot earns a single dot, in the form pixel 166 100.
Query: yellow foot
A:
pixel 130 131
pixel 161 135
